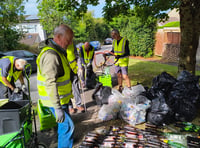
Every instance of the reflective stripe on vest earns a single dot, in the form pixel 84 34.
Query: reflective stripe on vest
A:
pixel 10 72
pixel 72 58
pixel 63 83
pixel 120 50
pixel 87 57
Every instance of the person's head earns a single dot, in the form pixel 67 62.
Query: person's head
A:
pixel 63 36
pixel 115 34
pixel 87 46
pixel 20 63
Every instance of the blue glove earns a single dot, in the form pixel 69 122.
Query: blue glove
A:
pixel 60 116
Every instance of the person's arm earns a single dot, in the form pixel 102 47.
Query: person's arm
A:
pixel 7 83
pixel 4 73
pixel 50 68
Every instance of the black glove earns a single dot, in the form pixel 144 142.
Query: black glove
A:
pixel 117 57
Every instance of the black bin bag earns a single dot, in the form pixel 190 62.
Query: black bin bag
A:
pixel 101 94
pixel 159 111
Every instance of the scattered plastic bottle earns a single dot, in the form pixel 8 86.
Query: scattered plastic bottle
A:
pixel 174 144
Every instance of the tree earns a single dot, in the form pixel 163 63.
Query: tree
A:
pixel 50 15
pixel 189 23
pixel 11 13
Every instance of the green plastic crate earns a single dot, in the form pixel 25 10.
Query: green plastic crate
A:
pixel 106 80
pixel 47 119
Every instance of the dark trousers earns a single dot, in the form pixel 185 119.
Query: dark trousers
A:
pixel 75 90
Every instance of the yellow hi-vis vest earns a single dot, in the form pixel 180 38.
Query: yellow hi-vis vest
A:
pixel 72 58
pixel 63 83
pixel 11 74
pixel 120 50
pixel 87 57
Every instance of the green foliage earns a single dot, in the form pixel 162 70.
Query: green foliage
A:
pixel 140 35
pixel 11 13
pixel 170 24
pixel 51 16
pixel 86 28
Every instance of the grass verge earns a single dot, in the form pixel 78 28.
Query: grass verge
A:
pixel 143 72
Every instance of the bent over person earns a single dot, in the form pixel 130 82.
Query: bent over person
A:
pixel 86 58
pixel 53 81
pixel 10 71
pixel 120 48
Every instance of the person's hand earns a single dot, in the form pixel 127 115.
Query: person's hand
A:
pixel 60 116
pixel 24 88
pixel 16 90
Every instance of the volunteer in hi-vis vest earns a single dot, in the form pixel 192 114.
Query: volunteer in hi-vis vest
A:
pixel 120 48
pixel 53 81
pixel 72 57
pixel 86 58
pixel 10 71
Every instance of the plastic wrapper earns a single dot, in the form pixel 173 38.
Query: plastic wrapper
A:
pixel 109 112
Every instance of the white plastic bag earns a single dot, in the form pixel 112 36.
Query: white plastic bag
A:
pixel 109 112
pixel 134 113
pixel 134 91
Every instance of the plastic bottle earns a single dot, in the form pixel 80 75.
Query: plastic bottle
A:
pixel 174 144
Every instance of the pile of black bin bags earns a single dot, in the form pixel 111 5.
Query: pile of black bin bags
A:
pixel 173 99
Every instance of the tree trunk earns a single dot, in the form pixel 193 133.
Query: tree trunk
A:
pixel 190 31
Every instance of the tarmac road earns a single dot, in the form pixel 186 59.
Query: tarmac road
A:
pixel 84 122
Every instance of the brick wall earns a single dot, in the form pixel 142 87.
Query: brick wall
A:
pixel 167 44
pixel 159 42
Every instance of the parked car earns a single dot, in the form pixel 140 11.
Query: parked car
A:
pixel 96 45
pixel 108 41
pixel 2 54
pixel 23 54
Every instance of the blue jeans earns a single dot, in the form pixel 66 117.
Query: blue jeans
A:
pixel 65 129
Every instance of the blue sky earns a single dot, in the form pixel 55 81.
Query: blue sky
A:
pixel 31 8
